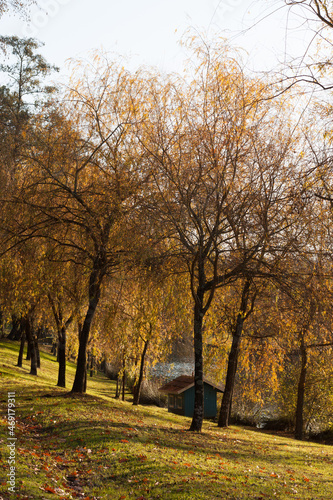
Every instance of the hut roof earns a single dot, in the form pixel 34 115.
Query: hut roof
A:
pixel 182 383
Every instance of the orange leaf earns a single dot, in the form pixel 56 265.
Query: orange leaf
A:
pixel 50 490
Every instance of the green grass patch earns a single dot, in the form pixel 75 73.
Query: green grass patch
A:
pixel 96 447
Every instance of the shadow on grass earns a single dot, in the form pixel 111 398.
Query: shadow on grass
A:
pixel 57 433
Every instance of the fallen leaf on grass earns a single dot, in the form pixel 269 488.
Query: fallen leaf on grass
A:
pixel 48 489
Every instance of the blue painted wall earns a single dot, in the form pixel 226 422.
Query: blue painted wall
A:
pixel 210 405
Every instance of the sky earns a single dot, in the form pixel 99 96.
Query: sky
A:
pixel 148 31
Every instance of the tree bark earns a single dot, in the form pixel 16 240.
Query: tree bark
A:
pixel 117 387
pixel 31 345
pixel 95 283
pixel 54 350
pixel 20 356
pixel 233 359
pixel 300 394
pixel 79 384
pixel 37 351
pixel 138 385
pixel 231 374
pixel 198 413
pixel 62 358
pixel 123 379
pixel 16 330
pixel 59 348
pixel 123 386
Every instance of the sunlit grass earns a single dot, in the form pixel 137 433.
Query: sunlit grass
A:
pixel 94 446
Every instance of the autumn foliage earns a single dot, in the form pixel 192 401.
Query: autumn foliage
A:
pixel 142 210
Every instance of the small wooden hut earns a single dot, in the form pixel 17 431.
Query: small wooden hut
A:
pixel 181 396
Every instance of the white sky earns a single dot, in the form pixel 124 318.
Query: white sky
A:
pixel 148 30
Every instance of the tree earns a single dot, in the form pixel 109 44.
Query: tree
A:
pixel 62 323
pixel 243 314
pixel 202 141
pixel 25 71
pixel 321 9
pixel 15 5
pixel 149 308
pixel 308 308
pixel 22 289
pixel 313 65
pixel 82 184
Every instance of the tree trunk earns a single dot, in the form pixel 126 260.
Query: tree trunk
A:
pixel 31 345
pixel 231 374
pixel 117 387
pixel 59 348
pixel 137 388
pixel 123 386
pixel 233 359
pixel 20 356
pixel 95 283
pixel 300 394
pixel 16 330
pixel 198 413
pixel 81 366
pixel 62 358
pixel 37 351
pixel 85 380
pixel 54 350
pixel 123 379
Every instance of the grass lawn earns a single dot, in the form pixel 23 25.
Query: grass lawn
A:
pixel 96 447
